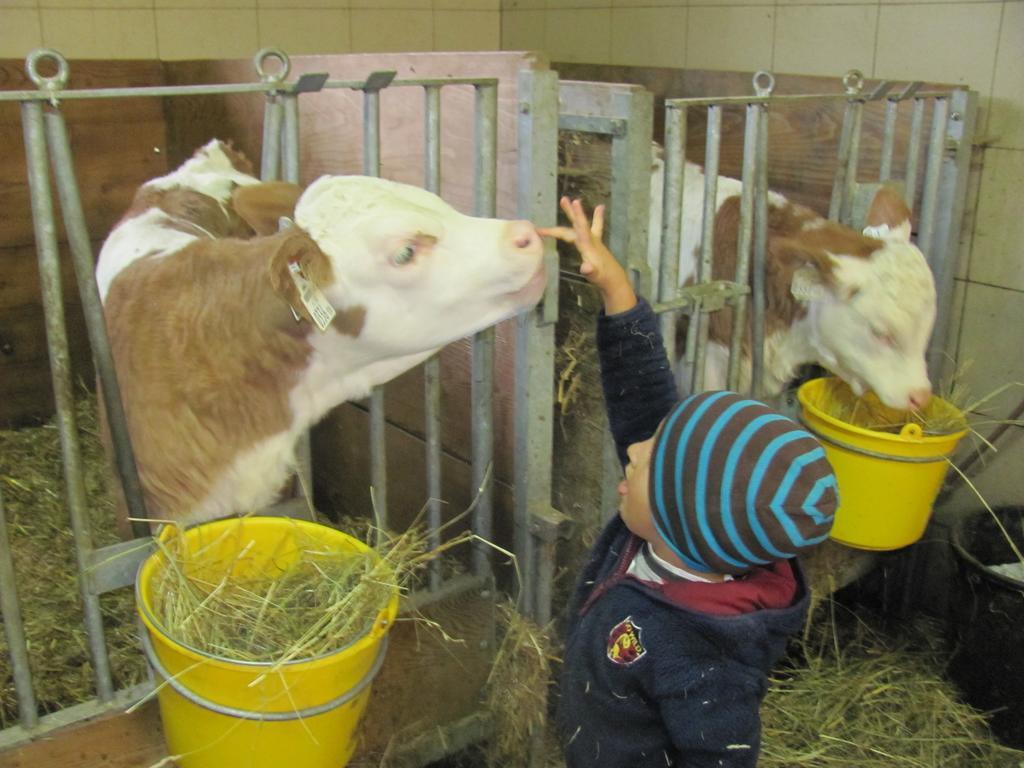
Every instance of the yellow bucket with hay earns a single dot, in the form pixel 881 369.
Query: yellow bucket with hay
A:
pixel 889 464
pixel 222 713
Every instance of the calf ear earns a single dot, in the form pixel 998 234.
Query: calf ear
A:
pixel 888 217
pixel 803 271
pixel 293 246
pixel 262 205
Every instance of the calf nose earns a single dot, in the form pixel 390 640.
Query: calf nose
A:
pixel 523 234
pixel 919 397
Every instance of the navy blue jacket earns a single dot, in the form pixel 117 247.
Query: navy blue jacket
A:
pixel 648 679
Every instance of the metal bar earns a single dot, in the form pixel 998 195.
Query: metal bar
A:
pixel 14 629
pixel 631 182
pixel 161 91
pixel 757 372
pixel 464 584
pixel 546 567
pixel 238 88
pixel 49 724
pixel 82 257
pixel 272 118
pixel 932 177
pixel 433 745
pixel 787 98
pixel 290 171
pixel 115 565
pixel 482 356
pixel 914 152
pixel 853 157
pixel 290 138
pixel 432 368
pixel 60 368
pixel 744 240
pixel 945 246
pixel 672 218
pixel 378 423
pixel 598 124
pixel 892 109
pixel 419 82
pixel 628 222
pixel 707 244
pixel 535 369
pixel 842 164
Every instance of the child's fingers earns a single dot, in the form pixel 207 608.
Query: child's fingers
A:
pixel 580 224
pixel 597 228
pixel 565 234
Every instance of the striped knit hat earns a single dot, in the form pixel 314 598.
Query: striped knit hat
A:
pixel 734 484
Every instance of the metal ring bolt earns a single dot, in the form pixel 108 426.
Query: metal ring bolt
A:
pixel 764 82
pixel 53 82
pixel 266 75
pixel 853 82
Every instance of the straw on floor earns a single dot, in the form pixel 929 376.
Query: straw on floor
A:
pixel 44 562
pixel 854 696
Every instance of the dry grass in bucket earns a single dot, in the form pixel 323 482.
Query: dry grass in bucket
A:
pixel 940 417
pixel 951 411
pixel 858 697
pixel 318 602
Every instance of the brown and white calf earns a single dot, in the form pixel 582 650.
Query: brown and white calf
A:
pixel 861 304
pixel 223 364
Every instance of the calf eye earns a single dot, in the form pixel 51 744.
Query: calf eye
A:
pixel 885 338
pixel 405 255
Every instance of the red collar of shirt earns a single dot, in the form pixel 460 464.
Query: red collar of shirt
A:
pixel 766 587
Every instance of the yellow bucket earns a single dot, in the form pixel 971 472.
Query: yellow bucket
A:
pixel 222 713
pixel 887 482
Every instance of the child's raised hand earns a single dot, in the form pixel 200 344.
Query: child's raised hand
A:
pixel 599 266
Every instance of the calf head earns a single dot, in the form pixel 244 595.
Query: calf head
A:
pixel 870 301
pixel 419 273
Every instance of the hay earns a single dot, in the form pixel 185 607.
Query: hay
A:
pixel 517 688
pixel 322 601
pixel 44 562
pixel 859 697
pixel 836 399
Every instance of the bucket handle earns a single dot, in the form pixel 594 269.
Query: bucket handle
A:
pixel 246 714
pixel 873 454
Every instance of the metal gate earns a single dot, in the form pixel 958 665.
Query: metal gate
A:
pixel 625 114
pixel 104 569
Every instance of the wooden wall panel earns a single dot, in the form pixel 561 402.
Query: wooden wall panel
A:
pixel 117 144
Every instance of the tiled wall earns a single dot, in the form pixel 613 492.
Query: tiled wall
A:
pixel 977 43
pixel 191 29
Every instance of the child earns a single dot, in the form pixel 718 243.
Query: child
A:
pixel 692 591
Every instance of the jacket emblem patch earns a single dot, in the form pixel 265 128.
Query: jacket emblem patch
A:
pixel 624 644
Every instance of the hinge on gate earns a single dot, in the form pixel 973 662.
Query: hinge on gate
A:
pixel 548 524
pixel 709 297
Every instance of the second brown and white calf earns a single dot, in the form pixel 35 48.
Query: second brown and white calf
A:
pixel 861 304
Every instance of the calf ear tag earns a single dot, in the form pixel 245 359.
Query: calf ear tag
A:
pixel 806 287
pixel 313 299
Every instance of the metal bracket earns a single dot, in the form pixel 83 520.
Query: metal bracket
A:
pixel 549 525
pixel 607 126
pixel 378 80
pixel 311 82
pixel 707 297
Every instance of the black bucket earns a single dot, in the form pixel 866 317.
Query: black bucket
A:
pixel 987 619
